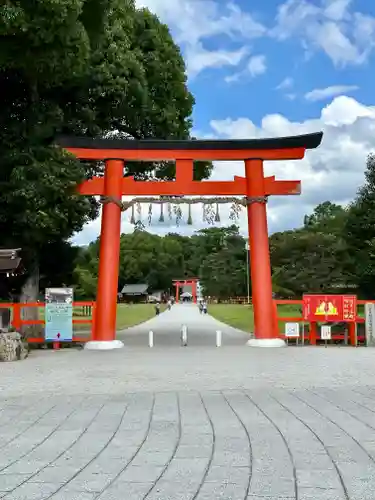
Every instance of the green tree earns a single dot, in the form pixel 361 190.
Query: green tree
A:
pixel 208 241
pixel 223 275
pixel 360 232
pixel 327 217
pixel 223 270
pixel 157 261
pixel 87 67
pixel 85 273
pixel 278 289
pixel 309 261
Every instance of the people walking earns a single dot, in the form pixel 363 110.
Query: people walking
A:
pixel 157 308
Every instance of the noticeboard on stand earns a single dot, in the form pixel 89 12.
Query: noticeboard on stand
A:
pixel 59 314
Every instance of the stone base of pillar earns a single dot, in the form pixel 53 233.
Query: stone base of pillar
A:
pixel 103 345
pixel 266 343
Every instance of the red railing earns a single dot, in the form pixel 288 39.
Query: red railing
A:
pixel 312 335
pixel 17 321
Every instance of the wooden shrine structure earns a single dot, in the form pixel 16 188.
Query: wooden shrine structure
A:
pixel 10 260
pixel 255 187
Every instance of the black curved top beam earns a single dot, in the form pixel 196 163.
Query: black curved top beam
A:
pixel 307 141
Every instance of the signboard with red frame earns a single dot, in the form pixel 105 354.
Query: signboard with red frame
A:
pixel 349 308
pixel 326 308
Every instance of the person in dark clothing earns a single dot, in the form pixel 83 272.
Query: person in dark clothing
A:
pixel 205 307
pixel 157 308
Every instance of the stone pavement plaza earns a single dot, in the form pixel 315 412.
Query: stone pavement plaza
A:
pixel 186 423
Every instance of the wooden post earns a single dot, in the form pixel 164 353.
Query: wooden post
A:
pixel 313 333
pixel 17 319
pixel 275 318
pixel 264 313
pixel 352 334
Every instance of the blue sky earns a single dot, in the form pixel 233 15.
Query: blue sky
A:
pixel 259 95
pixel 280 67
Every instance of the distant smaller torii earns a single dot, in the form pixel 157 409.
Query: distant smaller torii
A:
pixel 186 282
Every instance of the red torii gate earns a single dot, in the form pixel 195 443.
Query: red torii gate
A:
pixel 186 282
pixel 254 186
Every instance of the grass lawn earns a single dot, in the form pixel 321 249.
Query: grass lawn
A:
pixel 130 315
pixel 242 317
pixel 236 315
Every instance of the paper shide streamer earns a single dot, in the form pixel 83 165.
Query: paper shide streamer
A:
pixel 210 212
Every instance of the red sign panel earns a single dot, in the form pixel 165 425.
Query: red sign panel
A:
pixel 349 308
pixel 319 308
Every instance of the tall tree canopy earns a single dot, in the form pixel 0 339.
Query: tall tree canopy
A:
pixel 86 67
pixel 360 232
pixel 327 217
pixel 216 255
pixel 310 261
pixel 315 258
pixel 106 68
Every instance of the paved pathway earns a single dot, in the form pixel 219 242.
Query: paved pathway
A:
pixel 167 329
pixel 194 423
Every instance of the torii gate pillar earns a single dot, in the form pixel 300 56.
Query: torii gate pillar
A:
pixel 109 256
pixel 260 263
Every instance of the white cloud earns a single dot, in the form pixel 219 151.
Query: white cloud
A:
pixel 328 92
pixel 337 10
pixel 257 65
pixel 333 172
pixel 346 111
pixel 192 22
pixel 198 59
pixel 286 84
pixel 345 36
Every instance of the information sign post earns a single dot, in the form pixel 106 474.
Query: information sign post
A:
pixel 370 323
pixel 292 331
pixel 59 314
pixel 325 333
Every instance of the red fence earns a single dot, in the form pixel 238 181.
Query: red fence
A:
pixel 312 335
pixel 17 320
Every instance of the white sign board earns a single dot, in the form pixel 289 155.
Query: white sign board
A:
pixel 370 323
pixel 325 332
pixel 292 330
pixel 59 314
